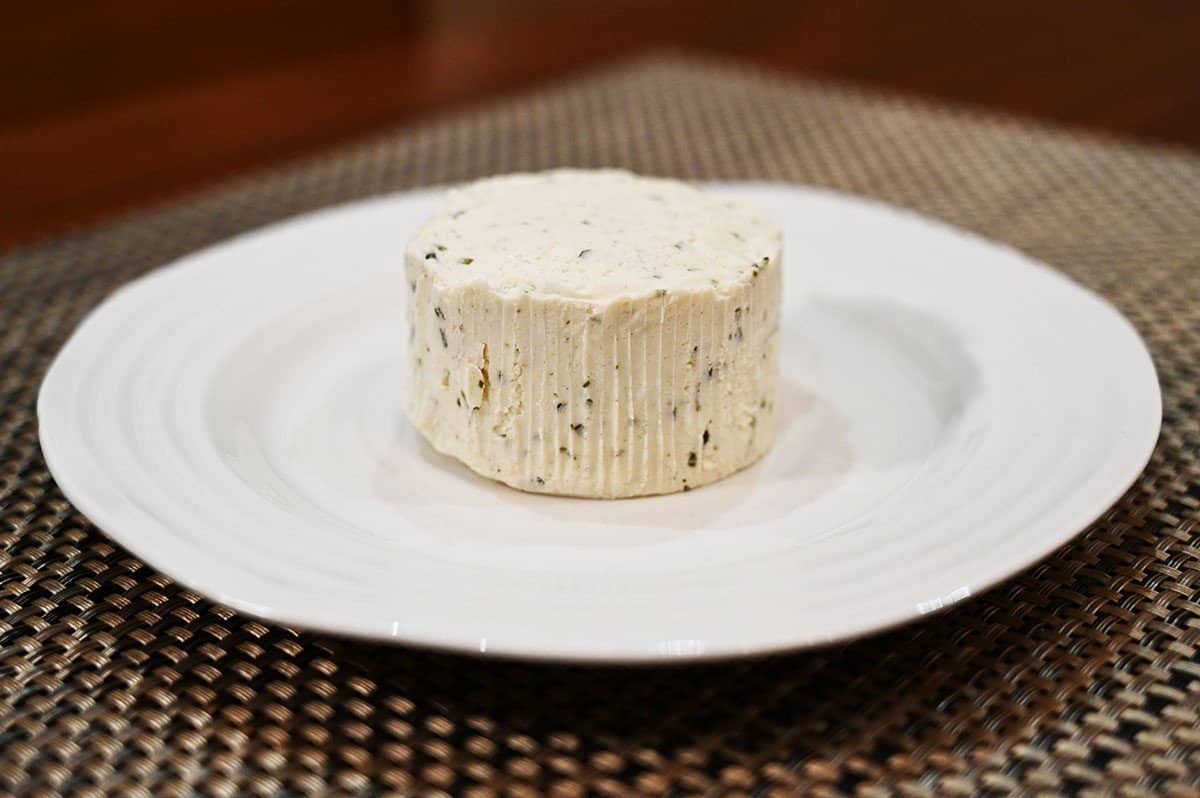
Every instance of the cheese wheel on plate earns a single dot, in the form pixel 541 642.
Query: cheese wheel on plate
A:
pixel 595 333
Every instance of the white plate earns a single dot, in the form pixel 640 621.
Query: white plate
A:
pixel 953 411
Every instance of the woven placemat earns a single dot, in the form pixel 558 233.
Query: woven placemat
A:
pixel 1080 676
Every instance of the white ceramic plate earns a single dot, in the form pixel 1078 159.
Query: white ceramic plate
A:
pixel 953 411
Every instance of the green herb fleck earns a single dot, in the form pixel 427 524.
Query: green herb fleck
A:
pixel 577 428
pixel 466 261
pixel 445 343
pixel 692 459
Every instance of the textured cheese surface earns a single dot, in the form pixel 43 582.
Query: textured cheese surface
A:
pixel 592 235
pixel 595 333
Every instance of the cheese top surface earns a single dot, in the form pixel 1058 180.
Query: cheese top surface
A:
pixel 592 235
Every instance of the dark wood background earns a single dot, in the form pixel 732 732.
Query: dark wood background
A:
pixel 109 106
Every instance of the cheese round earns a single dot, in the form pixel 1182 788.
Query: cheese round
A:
pixel 595 333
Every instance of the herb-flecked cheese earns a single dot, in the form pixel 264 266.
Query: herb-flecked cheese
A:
pixel 595 333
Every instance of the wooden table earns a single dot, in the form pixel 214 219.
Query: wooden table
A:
pixel 110 106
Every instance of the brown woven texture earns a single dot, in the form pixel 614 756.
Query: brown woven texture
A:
pixel 1080 676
